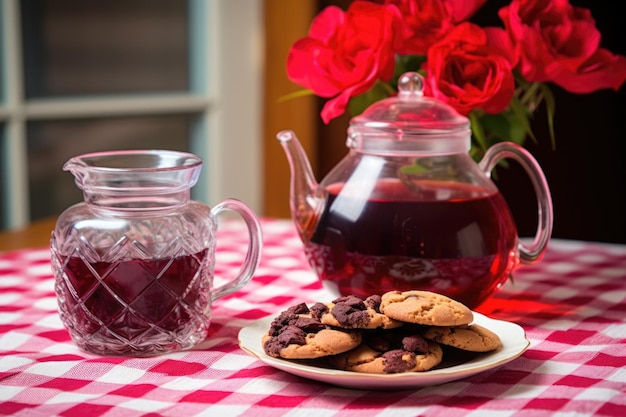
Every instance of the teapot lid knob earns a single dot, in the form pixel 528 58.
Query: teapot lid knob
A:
pixel 411 112
pixel 411 85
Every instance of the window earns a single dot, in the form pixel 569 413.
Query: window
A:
pixel 82 76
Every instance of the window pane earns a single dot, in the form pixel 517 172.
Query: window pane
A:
pixel 78 47
pixel 51 144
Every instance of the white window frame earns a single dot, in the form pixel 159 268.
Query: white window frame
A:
pixel 226 45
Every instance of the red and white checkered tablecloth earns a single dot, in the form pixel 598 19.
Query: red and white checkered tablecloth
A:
pixel 572 305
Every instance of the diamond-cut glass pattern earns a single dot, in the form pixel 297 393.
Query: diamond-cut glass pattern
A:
pixel 132 303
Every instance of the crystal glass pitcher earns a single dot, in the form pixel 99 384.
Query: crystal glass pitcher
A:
pixel 134 262
pixel 408 208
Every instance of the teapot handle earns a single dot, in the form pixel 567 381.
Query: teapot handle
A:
pixel 534 252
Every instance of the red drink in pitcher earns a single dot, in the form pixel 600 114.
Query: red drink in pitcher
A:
pixel 133 263
pixel 158 302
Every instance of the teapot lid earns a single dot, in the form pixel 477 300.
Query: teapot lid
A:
pixel 410 122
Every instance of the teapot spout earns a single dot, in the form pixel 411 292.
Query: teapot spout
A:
pixel 305 201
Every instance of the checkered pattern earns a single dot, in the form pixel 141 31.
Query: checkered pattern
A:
pixel 572 306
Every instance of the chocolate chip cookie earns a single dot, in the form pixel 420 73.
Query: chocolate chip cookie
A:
pixel 294 334
pixel 425 307
pixel 352 312
pixel 394 333
pixel 473 338
pixel 390 355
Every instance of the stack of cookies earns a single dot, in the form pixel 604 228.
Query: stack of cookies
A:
pixel 397 332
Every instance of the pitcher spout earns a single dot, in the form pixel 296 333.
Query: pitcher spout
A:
pixel 77 167
pixel 306 201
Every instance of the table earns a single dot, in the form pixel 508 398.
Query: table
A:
pixel 572 306
pixel 36 234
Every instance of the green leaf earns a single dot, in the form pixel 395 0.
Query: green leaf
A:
pixel 529 97
pixel 415 169
pixel 295 94
pixel 359 103
pixel 520 81
pixel 496 127
pixel 517 130
pixel 406 63
pixel 477 131
pixel 520 114
pixel 550 110
pixel 476 153
pixel 518 133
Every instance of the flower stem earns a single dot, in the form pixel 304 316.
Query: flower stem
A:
pixel 530 96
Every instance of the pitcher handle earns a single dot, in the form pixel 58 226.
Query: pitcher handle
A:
pixel 253 256
pixel 534 252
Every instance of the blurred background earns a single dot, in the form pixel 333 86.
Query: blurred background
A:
pixel 206 76
pixel 80 77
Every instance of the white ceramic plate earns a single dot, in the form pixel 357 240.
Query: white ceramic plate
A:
pixel 514 343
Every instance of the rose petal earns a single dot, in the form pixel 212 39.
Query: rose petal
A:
pixel 602 70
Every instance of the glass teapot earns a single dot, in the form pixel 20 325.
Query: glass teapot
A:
pixel 408 208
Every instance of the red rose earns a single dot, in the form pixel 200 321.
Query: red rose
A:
pixel 602 70
pixel 424 22
pixel 467 72
pixel 464 9
pixel 345 53
pixel 558 42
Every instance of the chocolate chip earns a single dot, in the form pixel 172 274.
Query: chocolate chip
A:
pixel 373 302
pixel 378 343
pixel 398 360
pixel 318 310
pixel 281 321
pixel 309 325
pixel 292 335
pixel 350 317
pixel 415 343
pixel 350 311
pixel 298 309
pixel 289 335
pixel 352 301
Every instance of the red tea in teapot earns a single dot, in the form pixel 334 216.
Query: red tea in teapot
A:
pixel 409 208
pixel 452 238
